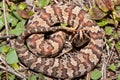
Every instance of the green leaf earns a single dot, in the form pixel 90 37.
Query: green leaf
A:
pixel 0 4
pixel 108 30
pixel 63 24
pixel 17 15
pixel 22 6
pixel 112 67
pixel 19 29
pixel 116 35
pixel 32 77
pixel 43 3
pixel 30 13
pixel 4 49
pixel 96 74
pixel 119 64
pixel 119 77
pixel 1 72
pixel 109 43
pixel 1 21
pixel 11 76
pixel 104 22
pixel 41 77
pixel 15 66
pixel 101 23
pixel 13 7
pixel 117 45
pixel 11 19
pixel 117 7
pixel 1 12
pixel 12 57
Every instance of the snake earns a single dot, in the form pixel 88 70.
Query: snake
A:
pixel 76 62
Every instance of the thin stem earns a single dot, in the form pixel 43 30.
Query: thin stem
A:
pixel 6 28
pixel 5 17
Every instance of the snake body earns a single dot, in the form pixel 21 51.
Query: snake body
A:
pixel 73 64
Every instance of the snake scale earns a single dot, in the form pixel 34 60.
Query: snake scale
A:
pixel 71 65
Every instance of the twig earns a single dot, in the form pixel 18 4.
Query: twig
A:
pixel 117 50
pixel 56 1
pixel 8 2
pixel 80 2
pixel 7 36
pixel 5 17
pixel 111 54
pixel 103 69
pixel 6 28
pixel 88 76
pixel 9 68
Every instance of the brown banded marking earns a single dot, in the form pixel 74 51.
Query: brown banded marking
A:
pixel 48 17
pixel 74 64
pixel 42 46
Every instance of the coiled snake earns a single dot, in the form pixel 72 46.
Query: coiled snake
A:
pixel 71 65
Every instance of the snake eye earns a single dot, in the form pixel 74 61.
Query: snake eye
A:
pixel 47 35
pixel 56 24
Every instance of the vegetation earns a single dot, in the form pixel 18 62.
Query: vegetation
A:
pixel 14 15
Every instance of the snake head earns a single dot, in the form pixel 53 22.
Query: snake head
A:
pixel 80 39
